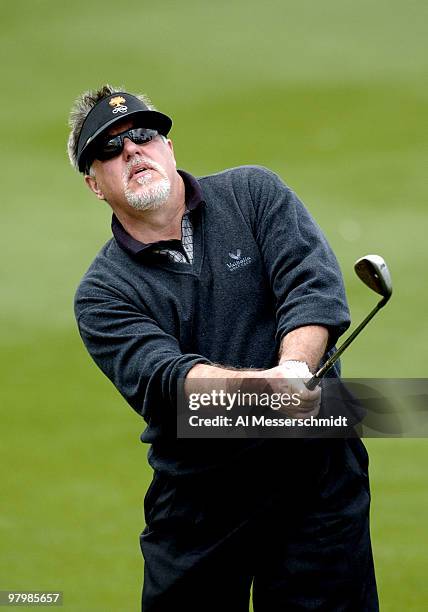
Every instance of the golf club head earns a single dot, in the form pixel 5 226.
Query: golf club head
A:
pixel 373 271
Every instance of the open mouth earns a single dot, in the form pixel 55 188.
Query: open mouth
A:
pixel 138 171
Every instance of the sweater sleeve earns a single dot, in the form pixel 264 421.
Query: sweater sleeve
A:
pixel 141 360
pixel 302 269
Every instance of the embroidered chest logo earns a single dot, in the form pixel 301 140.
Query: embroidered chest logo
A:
pixel 238 261
pixel 119 105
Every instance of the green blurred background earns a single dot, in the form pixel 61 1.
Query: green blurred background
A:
pixel 331 95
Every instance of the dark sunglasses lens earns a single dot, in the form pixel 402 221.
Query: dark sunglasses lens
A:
pixel 110 148
pixel 142 135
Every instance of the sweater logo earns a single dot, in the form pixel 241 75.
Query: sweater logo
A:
pixel 235 256
pixel 238 261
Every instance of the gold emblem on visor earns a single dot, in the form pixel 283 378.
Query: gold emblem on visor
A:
pixel 118 104
pixel 118 101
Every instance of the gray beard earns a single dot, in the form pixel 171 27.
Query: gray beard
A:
pixel 151 196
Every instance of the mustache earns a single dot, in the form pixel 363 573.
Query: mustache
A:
pixel 142 160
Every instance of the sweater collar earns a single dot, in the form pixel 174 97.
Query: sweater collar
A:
pixel 194 198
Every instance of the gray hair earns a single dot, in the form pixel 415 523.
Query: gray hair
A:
pixel 80 109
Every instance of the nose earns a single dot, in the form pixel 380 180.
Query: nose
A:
pixel 130 148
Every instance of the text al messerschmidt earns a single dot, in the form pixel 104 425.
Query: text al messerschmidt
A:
pixel 262 421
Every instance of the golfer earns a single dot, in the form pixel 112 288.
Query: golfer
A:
pixel 222 276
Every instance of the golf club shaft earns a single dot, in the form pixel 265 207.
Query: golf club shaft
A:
pixel 312 383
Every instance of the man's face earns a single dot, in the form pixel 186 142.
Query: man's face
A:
pixel 139 177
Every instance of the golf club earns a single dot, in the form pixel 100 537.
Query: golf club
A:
pixel 373 271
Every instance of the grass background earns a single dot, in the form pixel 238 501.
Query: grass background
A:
pixel 332 95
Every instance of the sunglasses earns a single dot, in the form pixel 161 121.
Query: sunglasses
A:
pixel 110 146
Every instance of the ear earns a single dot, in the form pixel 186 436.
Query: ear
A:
pixel 171 148
pixel 91 182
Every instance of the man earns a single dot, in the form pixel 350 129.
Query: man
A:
pixel 226 276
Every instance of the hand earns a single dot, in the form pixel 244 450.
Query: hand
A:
pixel 289 377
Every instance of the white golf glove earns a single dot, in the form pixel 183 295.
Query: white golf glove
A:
pixel 298 372
pixel 296 369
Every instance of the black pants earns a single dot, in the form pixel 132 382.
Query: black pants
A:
pixel 297 532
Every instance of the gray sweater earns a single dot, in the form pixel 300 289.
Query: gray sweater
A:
pixel 261 268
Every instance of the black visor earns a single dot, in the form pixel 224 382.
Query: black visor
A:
pixel 110 110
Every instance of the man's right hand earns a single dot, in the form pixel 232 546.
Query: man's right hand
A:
pixel 289 378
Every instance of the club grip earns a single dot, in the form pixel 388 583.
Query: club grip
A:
pixel 312 383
